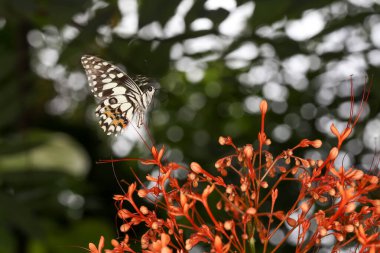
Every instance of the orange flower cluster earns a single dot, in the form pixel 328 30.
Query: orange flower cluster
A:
pixel 227 211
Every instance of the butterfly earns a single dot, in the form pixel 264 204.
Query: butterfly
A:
pixel 121 97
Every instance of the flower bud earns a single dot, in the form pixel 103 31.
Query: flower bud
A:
pixel 264 184
pixel 357 175
pixel 339 237
pixel 305 207
pixel 123 214
pixel 322 231
pixel 333 153
pixel 125 227
pixel 248 151
pixel 251 211
pixel 155 225
pixel 316 143
pixel 225 140
pixel 291 222
pixel 195 167
pixel 263 106
pixel 349 228
pixel 228 225
pixel 350 207
pixel 374 180
pixel 144 210
pixel 142 193
pixel 229 189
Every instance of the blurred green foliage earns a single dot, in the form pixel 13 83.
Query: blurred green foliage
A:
pixel 53 195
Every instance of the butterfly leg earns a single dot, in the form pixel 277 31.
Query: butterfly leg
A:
pixel 140 119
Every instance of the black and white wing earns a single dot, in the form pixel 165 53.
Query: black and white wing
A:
pixel 121 97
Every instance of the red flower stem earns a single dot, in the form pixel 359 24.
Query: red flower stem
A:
pixel 261 137
pixel 211 216
pixel 236 208
pixel 269 223
pixel 236 237
pixel 271 167
pixel 274 186
pixel 292 209
pixel 191 220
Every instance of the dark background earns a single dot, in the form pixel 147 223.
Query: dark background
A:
pixel 215 61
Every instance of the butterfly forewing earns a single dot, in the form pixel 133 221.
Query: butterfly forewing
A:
pixel 120 95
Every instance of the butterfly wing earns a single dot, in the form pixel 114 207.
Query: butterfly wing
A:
pixel 105 79
pixel 121 98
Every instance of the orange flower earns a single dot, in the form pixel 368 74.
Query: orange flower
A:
pixel 94 249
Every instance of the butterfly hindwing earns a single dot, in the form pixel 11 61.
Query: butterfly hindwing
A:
pixel 120 95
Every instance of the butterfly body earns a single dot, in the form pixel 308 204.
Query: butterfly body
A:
pixel 121 97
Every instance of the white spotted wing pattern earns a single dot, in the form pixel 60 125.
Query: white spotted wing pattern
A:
pixel 121 97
